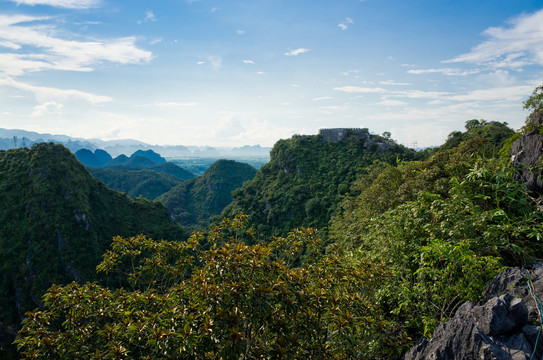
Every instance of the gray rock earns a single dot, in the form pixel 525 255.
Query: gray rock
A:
pixel 501 315
pixel 526 153
pixel 531 332
pixel 501 327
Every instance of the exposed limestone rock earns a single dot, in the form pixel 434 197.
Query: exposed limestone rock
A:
pixel 504 326
pixel 527 155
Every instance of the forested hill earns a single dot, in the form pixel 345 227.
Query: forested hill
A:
pixel 195 201
pixel 306 178
pixel 57 221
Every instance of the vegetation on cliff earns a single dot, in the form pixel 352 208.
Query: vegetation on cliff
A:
pixel 146 183
pixel 195 202
pixel 306 179
pixel 56 222
pixel 411 237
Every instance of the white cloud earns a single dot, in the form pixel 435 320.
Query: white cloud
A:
pixel 390 102
pixel 41 50
pixel 215 61
pixel 512 93
pixel 229 126
pixel 261 73
pixel 248 62
pixel 150 16
pixel 419 94
pixel 392 82
pixel 513 47
pixel 47 108
pixel 359 89
pixel 240 32
pixel 444 71
pixel 172 104
pixel 51 94
pixel 297 52
pixel 350 72
pixel 68 4
pixel 343 25
pixel 10 45
pixel 323 98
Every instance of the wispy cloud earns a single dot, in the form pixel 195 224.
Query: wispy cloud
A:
pixel 150 16
pixel 43 93
pixel 297 52
pixel 511 93
pixel 166 104
pixel 323 98
pixel 215 61
pixel 390 102
pixel 39 50
pixel 512 47
pixel 68 4
pixel 350 72
pixel 248 61
pixel 419 94
pixel 444 71
pixel 392 82
pixel 50 107
pixel 359 89
pixel 240 32
pixel 345 24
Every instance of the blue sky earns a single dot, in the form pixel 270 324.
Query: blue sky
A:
pixel 231 73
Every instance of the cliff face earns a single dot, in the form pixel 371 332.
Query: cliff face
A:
pixel 527 155
pixel 505 325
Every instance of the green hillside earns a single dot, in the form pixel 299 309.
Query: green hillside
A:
pixel 134 183
pixel 406 239
pixel 306 178
pixel 57 221
pixel 196 201
pixel 173 170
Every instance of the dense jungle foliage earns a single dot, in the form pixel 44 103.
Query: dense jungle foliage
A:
pixel 146 183
pixel 410 239
pixel 195 202
pixel 305 180
pixel 56 222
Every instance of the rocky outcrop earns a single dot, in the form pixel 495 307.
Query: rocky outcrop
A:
pixel 527 155
pixel 504 326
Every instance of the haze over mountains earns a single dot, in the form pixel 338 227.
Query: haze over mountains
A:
pixel 14 138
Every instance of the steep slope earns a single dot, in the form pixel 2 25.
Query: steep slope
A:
pixel 56 221
pixel 306 178
pixel 149 154
pixel 174 170
pixel 88 158
pixel 102 157
pixel 196 201
pixel 117 161
pixel 134 183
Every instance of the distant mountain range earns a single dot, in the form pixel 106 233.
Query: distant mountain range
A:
pixel 14 138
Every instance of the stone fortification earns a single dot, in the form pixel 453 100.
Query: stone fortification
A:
pixel 337 134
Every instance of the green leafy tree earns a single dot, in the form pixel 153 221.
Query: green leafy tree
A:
pixel 444 227
pixel 306 179
pixel 535 102
pixel 232 301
